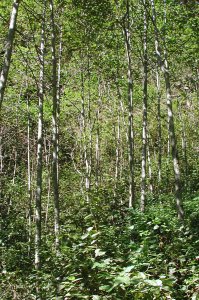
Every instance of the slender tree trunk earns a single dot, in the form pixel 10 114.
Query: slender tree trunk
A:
pixel 48 166
pixel 184 141
pixel 174 150
pixel 159 126
pixel 1 151
pixel 165 69
pixel 97 144
pixel 144 122
pixel 149 166
pixel 8 50
pixel 29 177
pixel 84 142
pixel 90 151
pixel 55 129
pixel 130 108
pixel 117 151
pixel 39 152
pixel 59 92
pixel 123 121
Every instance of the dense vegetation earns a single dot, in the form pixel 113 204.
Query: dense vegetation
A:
pixel 99 166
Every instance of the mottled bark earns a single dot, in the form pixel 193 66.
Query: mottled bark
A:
pixel 163 61
pixel 144 121
pixel 39 150
pixel 55 128
pixel 130 107
pixel 8 50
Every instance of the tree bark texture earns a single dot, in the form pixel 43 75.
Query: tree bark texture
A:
pixel 55 129
pixel 8 50
pixel 40 149
pixel 130 108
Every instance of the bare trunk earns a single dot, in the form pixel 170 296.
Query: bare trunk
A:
pixel 90 152
pixel 159 126
pixel 144 122
pixel 130 109
pixel 39 152
pixel 8 50
pixel 29 212
pixel 184 141
pixel 55 129
pixel 84 142
pixel 149 166
pixel 97 144
pixel 48 167
pixel 165 69
pixel 117 151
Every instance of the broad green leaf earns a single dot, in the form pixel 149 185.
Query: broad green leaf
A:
pixel 157 282
pixel 99 252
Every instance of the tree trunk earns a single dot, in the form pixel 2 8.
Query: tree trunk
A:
pixel 29 178
pixel 84 138
pixel 8 50
pixel 97 144
pixel 159 126
pixel 144 122
pixel 90 151
pixel 130 108
pixel 165 69
pixel 149 166
pixel 40 150
pixel 55 129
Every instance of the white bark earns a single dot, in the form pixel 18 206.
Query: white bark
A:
pixel 97 144
pixel 8 50
pixel 165 69
pixel 144 122
pixel 39 149
pixel 55 129
pixel 130 108
pixel 159 125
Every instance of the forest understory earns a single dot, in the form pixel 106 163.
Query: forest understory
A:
pixel 99 149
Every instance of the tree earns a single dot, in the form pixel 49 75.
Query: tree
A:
pixel 130 105
pixel 55 127
pixel 40 148
pixel 144 125
pixel 165 69
pixel 8 49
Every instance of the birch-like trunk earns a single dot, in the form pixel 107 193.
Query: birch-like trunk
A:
pixel 29 177
pixel 184 141
pixel 149 166
pixel 130 108
pixel 163 61
pixel 144 122
pixel 90 151
pixel 40 150
pixel 47 146
pixel 55 128
pixel 117 151
pixel 159 126
pixel 84 142
pixel 8 49
pixel 97 143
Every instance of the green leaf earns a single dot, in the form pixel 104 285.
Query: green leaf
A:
pixel 122 280
pixel 156 227
pixel 84 236
pixel 157 282
pixel 105 288
pixel 99 252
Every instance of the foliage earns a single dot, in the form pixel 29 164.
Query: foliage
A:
pixel 107 250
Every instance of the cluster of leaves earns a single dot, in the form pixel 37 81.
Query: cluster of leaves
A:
pixel 114 254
